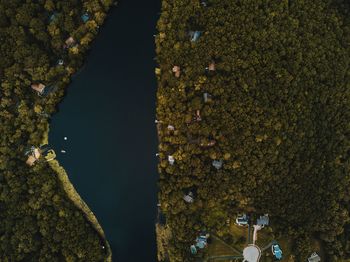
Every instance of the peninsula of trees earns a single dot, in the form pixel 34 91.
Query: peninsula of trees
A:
pixel 253 117
pixel 42 44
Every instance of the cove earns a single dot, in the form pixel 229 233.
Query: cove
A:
pixel 108 118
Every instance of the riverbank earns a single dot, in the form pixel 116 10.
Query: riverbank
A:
pixel 81 205
pixel 74 196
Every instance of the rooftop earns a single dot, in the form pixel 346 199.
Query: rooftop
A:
pixel 177 71
pixel 217 164
pixel 171 160
pixel 85 17
pixel 189 197
pixel 39 88
pixel 207 97
pixel 314 258
pixel 195 35
pixel 263 220
pixel 69 42
pixel 33 156
pixel 211 66
pixel 52 16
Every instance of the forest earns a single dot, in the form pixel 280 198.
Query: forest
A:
pixel 42 45
pixel 262 88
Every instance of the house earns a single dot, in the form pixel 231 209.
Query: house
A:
pixel 85 17
pixel 171 160
pixel 194 35
pixel 211 66
pixel 70 42
pixel 189 197
pixel 277 251
pixel 314 258
pixel 177 71
pixel 263 220
pixel 193 249
pixel 53 16
pixel 39 88
pixel 201 241
pixel 197 116
pixel 217 164
pixel 33 155
pixel 204 3
pixel 207 97
pixel 43 90
pixel 242 220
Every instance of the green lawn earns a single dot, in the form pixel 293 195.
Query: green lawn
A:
pixel 240 236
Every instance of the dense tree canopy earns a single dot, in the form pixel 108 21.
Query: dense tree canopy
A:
pixel 38 220
pixel 279 116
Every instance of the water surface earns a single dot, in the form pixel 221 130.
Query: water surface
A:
pixel 108 118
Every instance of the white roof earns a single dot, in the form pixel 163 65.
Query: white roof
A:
pixel 171 160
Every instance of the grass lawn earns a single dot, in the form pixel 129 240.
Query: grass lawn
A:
pixel 217 248
pixel 239 233
pixel 240 241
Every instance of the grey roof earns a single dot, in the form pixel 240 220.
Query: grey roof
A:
pixel 206 97
pixel 217 164
pixel 188 198
pixel 263 220
pixel 314 258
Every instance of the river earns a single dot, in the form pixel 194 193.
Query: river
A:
pixel 108 118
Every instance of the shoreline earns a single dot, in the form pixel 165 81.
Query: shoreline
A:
pixel 76 199
pixel 60 171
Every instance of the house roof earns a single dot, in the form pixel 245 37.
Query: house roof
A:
pixel 33 157
pixel 85 17
pixel 263 220
pixel 177 71
pixel 171 160
pixel 206 97
pixel 314 258
pixel 201 241
pixel 36 153
pixel 193 249
pixel 211 66
pixel 38 87
pixel 31 160
pixel 53 16
pixel 195 35
pixel 188 198
pixel 70 41
pixel 217 164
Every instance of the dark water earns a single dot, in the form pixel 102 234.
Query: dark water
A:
pixel 108 116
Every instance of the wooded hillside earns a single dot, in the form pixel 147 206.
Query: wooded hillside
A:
pixel 38 221
pixel 277 118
